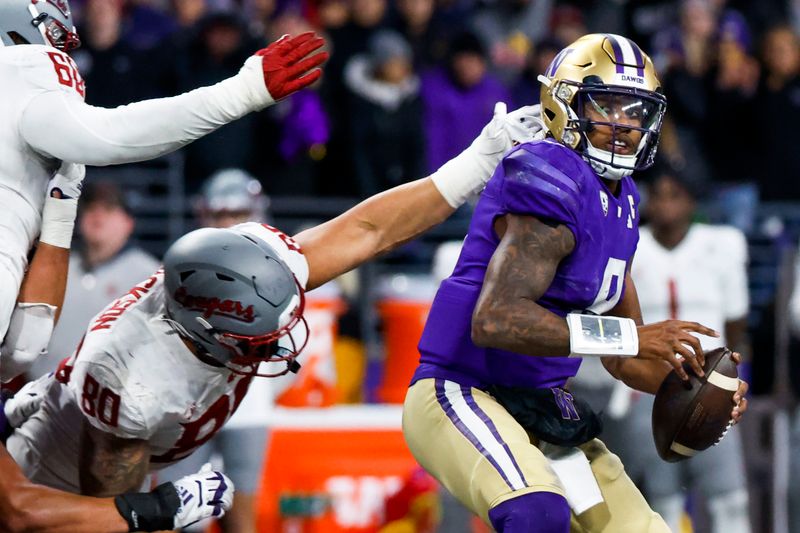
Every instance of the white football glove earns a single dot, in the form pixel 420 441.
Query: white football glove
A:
pixel 467 173
pixel 27 401
pixel 68 180
pixel 207 494
pixel 61 205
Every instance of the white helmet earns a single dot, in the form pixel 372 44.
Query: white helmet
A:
pixel 231 190
pixel 47 22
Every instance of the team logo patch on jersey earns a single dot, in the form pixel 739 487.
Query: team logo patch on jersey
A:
pixel 604 202
pixel 214 306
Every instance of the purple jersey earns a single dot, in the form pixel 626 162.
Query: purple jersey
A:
pixel 550 181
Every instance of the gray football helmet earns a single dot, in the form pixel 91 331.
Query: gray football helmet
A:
pixel 235 300
pixel 46 22
pixel 231 190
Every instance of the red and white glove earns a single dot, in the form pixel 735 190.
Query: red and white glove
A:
pixel 283 67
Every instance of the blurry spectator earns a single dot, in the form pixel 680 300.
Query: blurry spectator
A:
pixel 332 14
pixel 105 266
pixel 259 13
pixel 567 24
pixel 146 26
pixel 428 38
pixel 686 271
pixel 731 102
pixel 229 197
pixel 386 138
pixel 215 52
pixel 458 99
pixel 111 67
pixel 366 17
pixel 701 84
pixel 527 89
pixel 508 28
pixel 188 12
pixel 292 135
pixel 778 114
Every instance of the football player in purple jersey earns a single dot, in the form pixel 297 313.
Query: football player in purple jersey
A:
pixel 544 279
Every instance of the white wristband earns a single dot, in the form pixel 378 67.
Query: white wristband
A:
pixel 601 336
pixel 58 221
pixel 461 178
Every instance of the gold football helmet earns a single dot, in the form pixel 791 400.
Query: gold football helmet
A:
pixel 605 82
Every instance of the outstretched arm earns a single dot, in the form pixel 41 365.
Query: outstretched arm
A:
pixel 393 217
pixel 59 124
pixel 371 228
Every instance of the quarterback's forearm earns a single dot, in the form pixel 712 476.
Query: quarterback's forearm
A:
pixel 644 375
pixel 65 128
pixel 371 228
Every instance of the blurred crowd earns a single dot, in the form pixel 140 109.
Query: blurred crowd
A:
pixel 410 82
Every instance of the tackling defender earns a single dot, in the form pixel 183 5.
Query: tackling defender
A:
pixel 27 507
pixel 547 255
pixel 161 370
pixel 45 122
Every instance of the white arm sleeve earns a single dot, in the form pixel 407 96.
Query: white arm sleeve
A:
pixel 63 127
pixel 27 338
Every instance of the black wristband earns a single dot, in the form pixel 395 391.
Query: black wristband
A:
pixel 150 511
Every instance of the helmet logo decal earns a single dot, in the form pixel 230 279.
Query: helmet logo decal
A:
pixel 627 56
pixel 562 55
pixel 214 306
pixel 61 5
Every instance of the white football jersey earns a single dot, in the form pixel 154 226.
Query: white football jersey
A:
pixel 26 72
pixel 703 279
pixel 132 376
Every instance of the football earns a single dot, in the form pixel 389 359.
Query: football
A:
pixel 690 416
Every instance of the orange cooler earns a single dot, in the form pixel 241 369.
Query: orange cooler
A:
pixel 403 307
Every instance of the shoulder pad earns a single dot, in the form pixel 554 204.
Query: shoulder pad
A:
pixel 44 68
pixel 542 179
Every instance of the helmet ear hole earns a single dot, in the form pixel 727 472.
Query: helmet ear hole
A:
pixel 16 38
pixel 223 277
pixel 185 275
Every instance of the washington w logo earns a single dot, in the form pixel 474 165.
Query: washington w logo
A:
pixel 565 402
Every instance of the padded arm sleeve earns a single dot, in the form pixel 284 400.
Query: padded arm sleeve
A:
pixel 27 338
pixel 65 128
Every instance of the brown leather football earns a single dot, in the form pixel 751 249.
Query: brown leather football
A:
pixel 690 416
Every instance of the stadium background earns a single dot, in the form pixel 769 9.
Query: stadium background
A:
pixel 731 72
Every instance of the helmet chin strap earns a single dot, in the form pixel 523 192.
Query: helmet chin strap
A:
pixel 608 172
